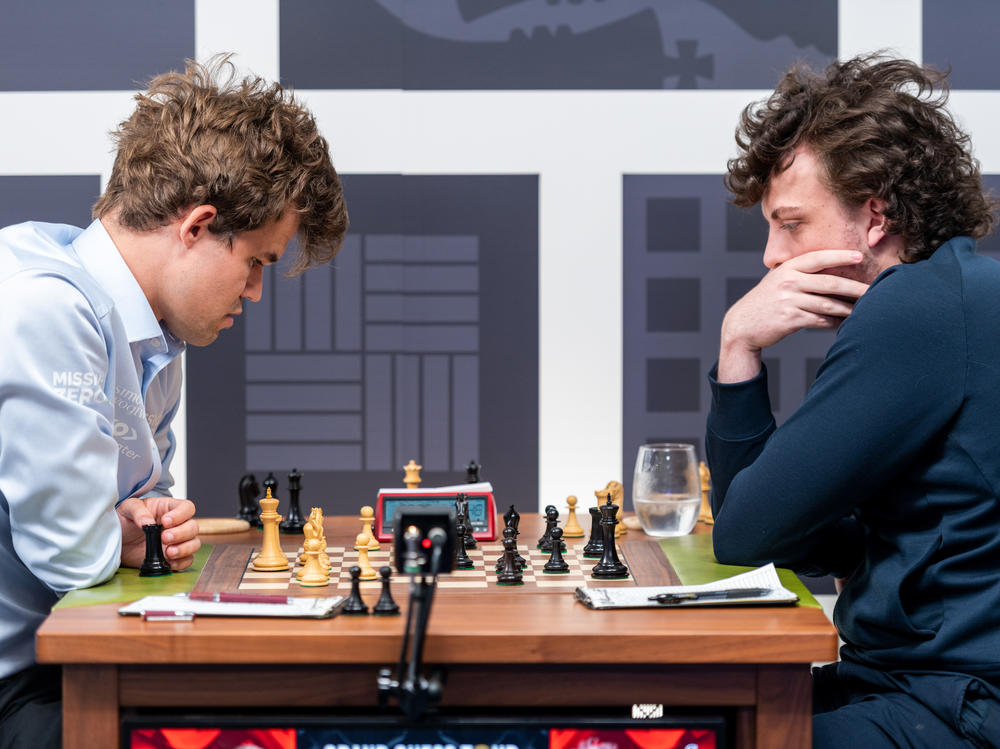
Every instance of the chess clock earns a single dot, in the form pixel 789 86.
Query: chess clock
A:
pixel 482 507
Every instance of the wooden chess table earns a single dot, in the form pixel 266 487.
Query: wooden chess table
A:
pixel 502 648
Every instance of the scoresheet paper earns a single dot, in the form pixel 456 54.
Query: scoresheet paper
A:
pixel 313 608
pixel 627 598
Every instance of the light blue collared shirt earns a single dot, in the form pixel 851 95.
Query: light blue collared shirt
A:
pixel 89 383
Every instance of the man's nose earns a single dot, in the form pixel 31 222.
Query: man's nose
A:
pixel 255 284
pixel 776 251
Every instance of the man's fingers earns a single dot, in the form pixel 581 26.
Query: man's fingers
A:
pixel 826 306
pixel 830 285
pixel 179 511
pixel 181 533
pixel 818 260
pixel 186 549
pixel 135 510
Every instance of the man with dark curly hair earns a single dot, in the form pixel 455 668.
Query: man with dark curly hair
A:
pixel 888 475
pixel 213 179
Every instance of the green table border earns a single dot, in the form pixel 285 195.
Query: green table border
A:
pixel 126 586
pixel 694 562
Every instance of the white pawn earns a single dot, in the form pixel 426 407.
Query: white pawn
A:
pixel 367 518
pixel 313 574
pixel 361 544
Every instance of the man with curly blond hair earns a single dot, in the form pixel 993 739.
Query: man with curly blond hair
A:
pixel 213 178
pixel 888 475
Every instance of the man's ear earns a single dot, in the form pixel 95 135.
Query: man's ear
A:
pixel 877 223
pixel 194 223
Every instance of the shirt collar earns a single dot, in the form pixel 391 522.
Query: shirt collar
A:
pixel 102 260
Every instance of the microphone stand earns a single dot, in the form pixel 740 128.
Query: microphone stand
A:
pixel 415 693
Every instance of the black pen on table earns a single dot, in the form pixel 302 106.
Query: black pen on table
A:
pixel 711 595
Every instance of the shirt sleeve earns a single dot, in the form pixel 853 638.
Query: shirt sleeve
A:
pixel 166 445
pixel 58 459
pixel 892 380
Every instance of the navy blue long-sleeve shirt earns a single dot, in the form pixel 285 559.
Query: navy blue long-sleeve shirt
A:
pixel 888 472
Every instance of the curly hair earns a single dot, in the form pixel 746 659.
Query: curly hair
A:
pixel 880 128
pixel 247 148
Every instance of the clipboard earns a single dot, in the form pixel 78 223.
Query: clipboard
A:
pixel 181 607
pixel 639 597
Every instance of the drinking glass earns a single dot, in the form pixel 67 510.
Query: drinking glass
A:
pixel 666 489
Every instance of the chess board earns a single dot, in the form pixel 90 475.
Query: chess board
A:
pixel 229 568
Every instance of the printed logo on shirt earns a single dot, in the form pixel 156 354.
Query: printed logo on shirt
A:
pixel 129 402
pixel 79 387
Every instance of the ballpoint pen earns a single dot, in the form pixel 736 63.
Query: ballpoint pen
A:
pixel 238 598
pixel 710 595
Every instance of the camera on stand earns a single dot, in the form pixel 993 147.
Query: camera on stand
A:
pixel 424 536
pixel 424 543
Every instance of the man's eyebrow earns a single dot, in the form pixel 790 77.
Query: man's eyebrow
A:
pixel 784 210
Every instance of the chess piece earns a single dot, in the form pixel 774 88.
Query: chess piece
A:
pixel 155 564
pixel 595 545
pixel 249 491
pixel 521 562
pixel 462 508
pixel 367 518
pixel 271 558
pixel 361 544
pixel 472 472
pixel 312 531
pixel 271 483
pixel 354 603
pixel 705 513
pixel 551 519
pixel 572 529
pixel 293 522
pixel 610 566
pixel 324 558
pixel 313 575
pixel 462 560
pixel 556 563
pixel 411 479
pixel 510 573
pixel 617 492
pixel 385 605
pixel 511 519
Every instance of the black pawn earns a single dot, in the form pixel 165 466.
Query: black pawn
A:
pixel 354 604
pixel 293 522
pixel 462 560
pixel 551 519
pixel 472 472
pixel 610 566
pixel 595 546
pixel 556 563
pixel 249 491
pixel 155 564
pixel 521 562
pixel 385 606
pixel 510 573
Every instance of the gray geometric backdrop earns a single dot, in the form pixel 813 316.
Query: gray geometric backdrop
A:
pixel 550 44
pixel 99 45
pixel 419 341
pixel 961 35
